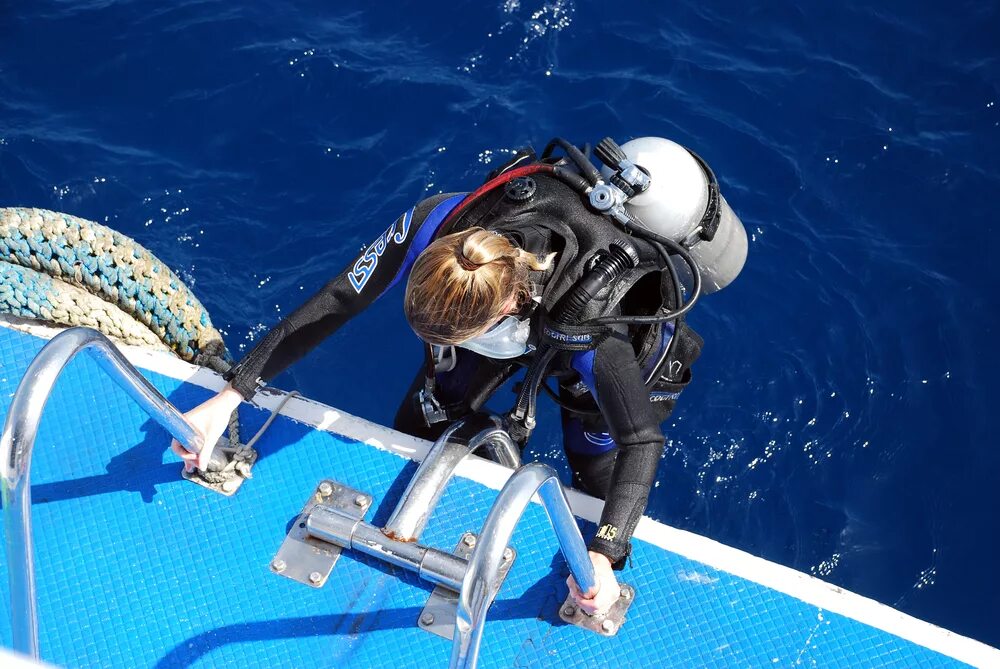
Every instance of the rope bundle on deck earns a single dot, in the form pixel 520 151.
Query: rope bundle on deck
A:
pixel 60 268
pixel 70 271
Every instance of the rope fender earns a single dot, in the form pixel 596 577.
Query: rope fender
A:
pixel 70 271
pixel 111 266
pixel 30 294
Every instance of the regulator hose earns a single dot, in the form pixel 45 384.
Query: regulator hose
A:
pixel 590 172
pixel 660 241
pixel 608 268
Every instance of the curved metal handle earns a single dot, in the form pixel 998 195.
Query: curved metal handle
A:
pixel 18 440
pixel 482 578
pixel 424 491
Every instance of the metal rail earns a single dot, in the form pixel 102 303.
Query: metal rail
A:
pixel 18 440
pixel 339 529
pixel 428 483
pixel 477 580
pixel 481 582
pixel 396 543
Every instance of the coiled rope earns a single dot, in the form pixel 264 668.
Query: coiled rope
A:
pixel 70 271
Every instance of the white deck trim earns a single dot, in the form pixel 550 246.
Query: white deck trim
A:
pixel 695 547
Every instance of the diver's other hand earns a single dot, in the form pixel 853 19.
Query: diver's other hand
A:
pixel 210 419
pixel 606 592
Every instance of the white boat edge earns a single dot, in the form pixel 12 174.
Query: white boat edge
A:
pixel 692 546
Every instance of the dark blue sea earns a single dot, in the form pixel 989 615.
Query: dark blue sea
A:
pixel 842 420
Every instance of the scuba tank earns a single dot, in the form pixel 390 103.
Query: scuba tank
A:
pixel 681 202
pixel 665 194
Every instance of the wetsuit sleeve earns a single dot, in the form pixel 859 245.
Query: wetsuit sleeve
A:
pixel 379 267
pixel 634 424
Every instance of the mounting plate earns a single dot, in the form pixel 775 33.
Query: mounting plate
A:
pixel 606 625
pixel 239 465
pixel 438 614
pixel 309 560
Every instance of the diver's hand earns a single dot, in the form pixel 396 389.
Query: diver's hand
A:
pixel 210 418
pixel 606 592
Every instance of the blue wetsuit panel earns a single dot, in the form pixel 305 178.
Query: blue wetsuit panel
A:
pixel 578 440
pixel 424 236
pixel 575 437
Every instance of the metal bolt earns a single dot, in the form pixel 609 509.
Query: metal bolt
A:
pixel 626 594
pixel 569 611
pixel 230 485
pixel 315 577
pixel 360 500
pixel 427 618
pixel 508 554
pixel 469 540
pixel 325 489
pixel 608 626
pixel 278 565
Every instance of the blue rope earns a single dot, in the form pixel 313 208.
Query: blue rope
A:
pixel 108 265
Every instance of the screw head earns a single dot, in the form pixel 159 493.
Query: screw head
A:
pixel 626 594
pixel 508 554
pixel 469 540
pixel 569 611
pixel 608 626
pixel 427 618
pixel 230 485
pixel 325 489
pixel 278 565
pixel 315 577
pixel 360 500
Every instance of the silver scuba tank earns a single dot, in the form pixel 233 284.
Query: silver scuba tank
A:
pixel 675 203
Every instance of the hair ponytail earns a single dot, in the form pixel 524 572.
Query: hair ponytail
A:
pixel 464 282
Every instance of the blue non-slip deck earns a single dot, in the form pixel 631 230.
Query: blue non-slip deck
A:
pixel 138 568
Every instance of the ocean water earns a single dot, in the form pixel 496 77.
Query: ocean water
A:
pixel 842 417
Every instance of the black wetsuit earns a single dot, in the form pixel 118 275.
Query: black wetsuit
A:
pixel 613 451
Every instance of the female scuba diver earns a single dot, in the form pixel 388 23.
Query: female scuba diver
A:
pixel 555 266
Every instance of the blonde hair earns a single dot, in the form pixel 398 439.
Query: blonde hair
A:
pixel 464 282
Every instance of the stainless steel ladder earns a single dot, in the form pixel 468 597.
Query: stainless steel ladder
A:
pixel 18 440
pixel 333 520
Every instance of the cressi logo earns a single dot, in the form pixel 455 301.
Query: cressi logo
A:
pixel 365 266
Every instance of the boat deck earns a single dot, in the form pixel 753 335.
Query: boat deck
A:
pixel 139 568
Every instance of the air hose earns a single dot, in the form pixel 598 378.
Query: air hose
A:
pixel 609 268
pixel 590 172
pixel 659 242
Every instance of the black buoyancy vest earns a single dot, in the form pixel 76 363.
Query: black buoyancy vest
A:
pixel 555 218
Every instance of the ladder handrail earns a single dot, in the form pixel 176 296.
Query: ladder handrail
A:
pixel 18 440
pixel 424 490
pixel 482 579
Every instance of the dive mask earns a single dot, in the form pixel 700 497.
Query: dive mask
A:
pixel 507 339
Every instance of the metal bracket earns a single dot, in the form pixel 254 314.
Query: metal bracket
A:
pixel 438 614
pixel 309 560
pixel 606 625
pixel 239 465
